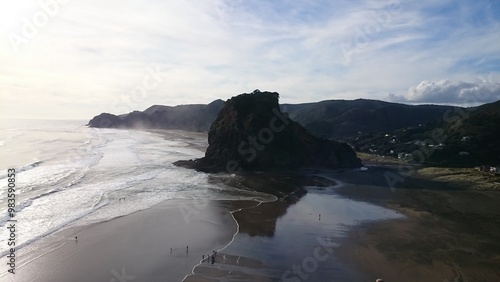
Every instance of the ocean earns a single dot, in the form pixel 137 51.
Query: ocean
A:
pixel 69 175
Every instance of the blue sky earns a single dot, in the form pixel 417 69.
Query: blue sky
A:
pixel 76 59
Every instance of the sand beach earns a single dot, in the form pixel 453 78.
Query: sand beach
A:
pixel 324 226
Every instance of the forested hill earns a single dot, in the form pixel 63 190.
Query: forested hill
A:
pixel 341 118
pixel 462 137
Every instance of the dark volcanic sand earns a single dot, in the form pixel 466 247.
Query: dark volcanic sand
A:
pixel 276 238
pixel 450 234
pixel 136 247
pixel 445 235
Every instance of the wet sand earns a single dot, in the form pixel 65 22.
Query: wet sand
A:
pixel 450 233
pixel 295 238
pixel 291 238
pixel 420 231
pixel 136 247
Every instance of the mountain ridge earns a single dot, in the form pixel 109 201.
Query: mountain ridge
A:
pixel 330 119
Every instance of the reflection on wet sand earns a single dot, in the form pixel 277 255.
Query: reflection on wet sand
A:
pixel 286 238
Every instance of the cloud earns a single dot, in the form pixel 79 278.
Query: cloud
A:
pixel 93 54
pixel 450 92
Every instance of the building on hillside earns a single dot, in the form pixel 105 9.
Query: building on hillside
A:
pixel 466 139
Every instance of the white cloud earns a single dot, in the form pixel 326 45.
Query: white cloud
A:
pixel 451 92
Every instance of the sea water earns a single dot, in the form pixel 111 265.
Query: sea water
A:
pixel 69 175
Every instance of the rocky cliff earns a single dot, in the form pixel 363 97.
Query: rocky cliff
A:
pixel 251 133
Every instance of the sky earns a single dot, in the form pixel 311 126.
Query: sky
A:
pixel 71 59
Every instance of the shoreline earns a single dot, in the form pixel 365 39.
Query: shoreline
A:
pixel 137 245
pixel 442 237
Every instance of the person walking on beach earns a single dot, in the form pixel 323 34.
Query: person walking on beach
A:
pixel 187 249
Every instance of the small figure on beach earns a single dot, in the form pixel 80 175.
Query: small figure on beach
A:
pixel 319 216
pixel 202 257
pixel 213 259
pixel 187 249
pixel 170 250
pixel 76 238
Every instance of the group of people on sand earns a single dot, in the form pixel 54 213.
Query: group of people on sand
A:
pixel 210 257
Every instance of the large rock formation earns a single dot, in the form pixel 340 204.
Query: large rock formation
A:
pixel 251 133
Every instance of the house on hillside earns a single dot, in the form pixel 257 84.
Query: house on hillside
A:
pixel 405 156
pixel 485 168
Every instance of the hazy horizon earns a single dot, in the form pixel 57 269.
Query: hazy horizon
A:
pixel 87 118
pixel 74 60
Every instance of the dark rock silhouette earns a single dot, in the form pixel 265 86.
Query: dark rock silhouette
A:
pixel 251 133
pixel 106 120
